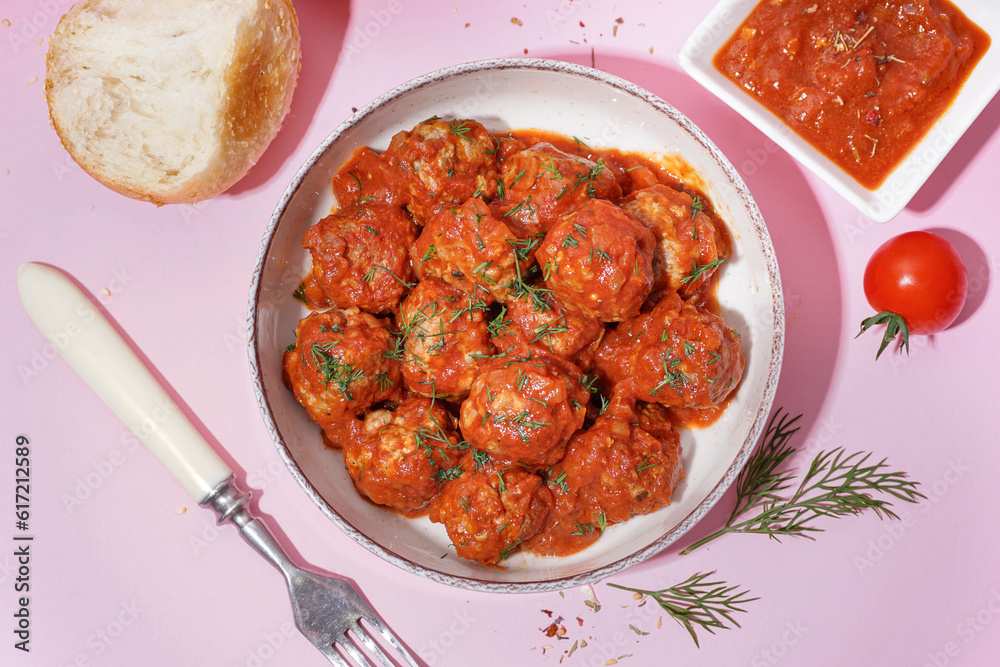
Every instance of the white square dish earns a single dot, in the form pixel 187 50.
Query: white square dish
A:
pixel 885 202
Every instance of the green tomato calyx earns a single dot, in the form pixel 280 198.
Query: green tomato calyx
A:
pixel 895 326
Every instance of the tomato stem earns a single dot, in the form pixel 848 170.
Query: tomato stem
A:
pixel 895 326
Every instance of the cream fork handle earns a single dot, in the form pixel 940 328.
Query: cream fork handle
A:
pixel 75 327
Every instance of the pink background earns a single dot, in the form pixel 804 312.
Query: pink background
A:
pixel 127 571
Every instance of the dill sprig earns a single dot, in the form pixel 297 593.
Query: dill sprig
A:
pixel 836 484
pixel 696 602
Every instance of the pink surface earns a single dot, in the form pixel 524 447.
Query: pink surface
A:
pixel 125 570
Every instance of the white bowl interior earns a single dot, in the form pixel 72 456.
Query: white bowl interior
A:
pixel 602 110
pixel 884 203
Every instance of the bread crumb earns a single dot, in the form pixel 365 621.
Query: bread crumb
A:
pixel 33 79
pixel 515 20
pixel 6 22
pixel 182 510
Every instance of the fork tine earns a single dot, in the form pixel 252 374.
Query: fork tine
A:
pixel 331 654
pixel 387 634
pixel 353 651
pixel 361 633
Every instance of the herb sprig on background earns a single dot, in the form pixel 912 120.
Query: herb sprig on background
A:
pixel 836 484
pixel 698 603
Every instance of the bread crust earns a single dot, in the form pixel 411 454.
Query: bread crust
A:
pixel 258 80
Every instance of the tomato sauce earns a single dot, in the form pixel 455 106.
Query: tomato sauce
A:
pixel 509 330
pixel 861 81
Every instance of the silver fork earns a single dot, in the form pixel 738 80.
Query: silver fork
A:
pixel 328 610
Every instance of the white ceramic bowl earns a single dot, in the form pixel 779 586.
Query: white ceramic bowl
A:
pixel 603 111
pixel 884 203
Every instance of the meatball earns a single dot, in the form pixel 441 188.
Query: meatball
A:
pixel 542 183
pixel 548 323
pixel 678 354
pixel 401 457
pixel 368 179
pixel 359 258
pixel 469 248
pixel 489 508
pixel 524 406
pixel 611 472
pixel 338 366
pixel 598 259
pixel 445 339
pixel 689 243
pixel 443 163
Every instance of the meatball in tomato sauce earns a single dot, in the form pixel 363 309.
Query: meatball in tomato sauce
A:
pixel 542 183
pixel 443 163
pixel 599 259
pixel 689 242
pixel 368 179
pixel 359 258
pixel 611 472
pixel 402 455
pixel 469 248
pixel 547 322
pixel 338 368
pixel 490 507
pixel 678 354
pixel 524 406
pixel 445 339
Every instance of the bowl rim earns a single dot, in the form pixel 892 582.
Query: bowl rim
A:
pixel 758 421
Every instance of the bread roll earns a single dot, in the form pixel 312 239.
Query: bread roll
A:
pixel 171 101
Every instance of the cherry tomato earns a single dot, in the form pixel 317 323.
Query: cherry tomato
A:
pixel 917 283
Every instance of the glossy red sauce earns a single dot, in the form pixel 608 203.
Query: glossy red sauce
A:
pixel 861 81
pixel 508 330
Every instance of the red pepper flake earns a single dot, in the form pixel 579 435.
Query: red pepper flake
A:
pixel 581 25
pixel 551 630
pixel 547 613
pixel 873 117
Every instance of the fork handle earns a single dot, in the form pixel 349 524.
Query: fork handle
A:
pixel 90 344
